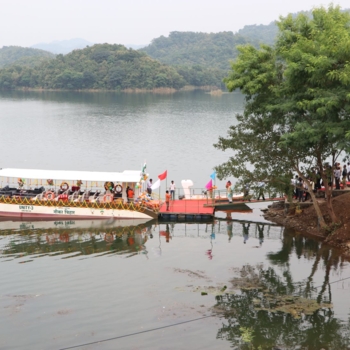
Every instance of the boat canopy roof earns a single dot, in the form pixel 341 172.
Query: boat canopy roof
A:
pixel 125 176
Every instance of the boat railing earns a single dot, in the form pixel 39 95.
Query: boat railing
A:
pixel 211 196
pixel 140 205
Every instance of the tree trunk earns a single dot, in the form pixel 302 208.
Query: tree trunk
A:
pixel 328 189
pixel 328 192
pixel 317 208
pixel 320 218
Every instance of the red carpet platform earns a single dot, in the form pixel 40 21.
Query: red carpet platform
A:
pixel 187 207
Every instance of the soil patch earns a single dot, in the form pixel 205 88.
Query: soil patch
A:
pixel 305 220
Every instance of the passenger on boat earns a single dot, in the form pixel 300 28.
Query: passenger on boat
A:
pixel 130 194
pixel 149 186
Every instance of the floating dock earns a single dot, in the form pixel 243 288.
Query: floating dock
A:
pixel 204 209
pixel 238 204
pixel 187 209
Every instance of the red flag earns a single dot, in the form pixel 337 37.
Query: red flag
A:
pixel 163 176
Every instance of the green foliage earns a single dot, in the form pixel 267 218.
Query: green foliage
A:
pixel 196 49
pixel 330 229
pixel 247 334
pixel 297 111
pixel 201 76
pixel 265 34
pixel 98 67
pixel 23 56
pixel 201 58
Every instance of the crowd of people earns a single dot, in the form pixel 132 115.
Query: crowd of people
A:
pixel 337 177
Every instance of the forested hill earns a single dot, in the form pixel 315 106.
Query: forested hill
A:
pixel 261 33
pixel 100 66
pixel 213 50
pixel 267 34
pixel 23 56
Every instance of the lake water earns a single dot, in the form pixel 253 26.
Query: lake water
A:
pixel 116 132
pixel 70 283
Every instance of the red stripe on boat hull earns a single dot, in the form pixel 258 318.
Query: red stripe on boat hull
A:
pixel 53 216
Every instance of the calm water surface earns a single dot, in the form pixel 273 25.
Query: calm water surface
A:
pixel 116 132
pixel 67 283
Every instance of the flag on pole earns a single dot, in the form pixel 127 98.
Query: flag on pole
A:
pixel 213 175
pixel 163 176
pixel 209 185
pixel 156 185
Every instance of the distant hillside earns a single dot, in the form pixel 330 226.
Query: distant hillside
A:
pixel 213 50
pixel 22 56
pixel 261 33
pixel 100 66
pixel 267 34
pixel 63 46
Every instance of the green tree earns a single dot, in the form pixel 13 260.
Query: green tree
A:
pixel 297 101
pixel 101 66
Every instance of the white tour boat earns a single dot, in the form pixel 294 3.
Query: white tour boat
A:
pixel 30 193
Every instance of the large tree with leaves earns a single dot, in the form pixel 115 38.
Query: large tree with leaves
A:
pixel 297 111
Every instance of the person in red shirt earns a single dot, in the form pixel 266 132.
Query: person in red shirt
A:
pixel 130 194
pixel 167 200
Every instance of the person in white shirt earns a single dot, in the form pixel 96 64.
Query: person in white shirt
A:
pixel 337 174
pixel 172 189
pixel 348 170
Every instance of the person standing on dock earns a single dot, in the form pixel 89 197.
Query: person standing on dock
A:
pixel 261 186
pixel 167 200
pixel 337 175
pixel 246 192
pixel 345 176
pixel 229 191
pixel 172 189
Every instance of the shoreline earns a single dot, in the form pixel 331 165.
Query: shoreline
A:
pixel 305 221
pixel 165 91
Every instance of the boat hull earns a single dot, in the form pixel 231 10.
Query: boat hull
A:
pixel 42 211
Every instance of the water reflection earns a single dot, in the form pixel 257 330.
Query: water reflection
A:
pixel 245 230
pixel 80 237
pixel 121 237
pixel 271 312
pixel 274 304
pixel 18 238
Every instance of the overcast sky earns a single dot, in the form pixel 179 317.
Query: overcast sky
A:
pixel 28 22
